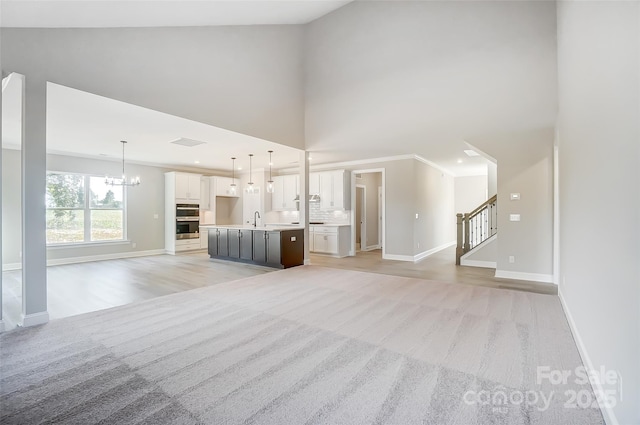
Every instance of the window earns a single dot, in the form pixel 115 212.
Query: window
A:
pixel 82 208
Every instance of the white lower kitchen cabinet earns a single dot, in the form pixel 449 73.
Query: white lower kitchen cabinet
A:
pixel 187 245
pixel 332 240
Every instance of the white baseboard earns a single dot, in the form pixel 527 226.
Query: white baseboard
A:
pixel 432 251
pixel 371 248
pixel 89 258
pixel 478 263
pixel 607 411
pixel 11 266
pixel 418 257
pixel 535 277
pixel 307 262
pixel 34 319
pixel 397 257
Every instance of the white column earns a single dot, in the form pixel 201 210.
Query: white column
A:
pixel 304 201
pixel 34 168
pixel 1 262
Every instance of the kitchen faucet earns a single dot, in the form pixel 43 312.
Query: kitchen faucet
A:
pixel 255 220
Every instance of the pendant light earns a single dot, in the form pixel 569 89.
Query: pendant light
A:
pixel 250 188
pixel 112 181
pixel 232 186
pixel 270 182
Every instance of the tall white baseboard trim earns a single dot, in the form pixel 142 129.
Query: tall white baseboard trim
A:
pixel 397 257
pixel 371 248
pixel 89 258
pixel 607 411
pixel 11 266
pixel 535 277
pixel 478 263
pixel 425 254
pixel 307 262
pixel 34 319
pixel 420 256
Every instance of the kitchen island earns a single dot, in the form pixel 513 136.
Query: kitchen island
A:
pixel 280 247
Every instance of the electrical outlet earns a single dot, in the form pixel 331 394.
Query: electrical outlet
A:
pixel 512 259
pixel 156 216
pixel 418 244
pixel 133 244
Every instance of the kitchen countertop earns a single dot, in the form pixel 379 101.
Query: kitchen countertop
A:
pixel 249 227
pixel 323 224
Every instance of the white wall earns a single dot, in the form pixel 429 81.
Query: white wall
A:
pixel 599 153
pixel 525 166
pixel 470 192
pixel 142 203
pixel 242 78
pixel 390 76
pixel 11 201
pixel 435 225
pixel 492 179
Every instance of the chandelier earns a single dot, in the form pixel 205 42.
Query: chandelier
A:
pixel 122 181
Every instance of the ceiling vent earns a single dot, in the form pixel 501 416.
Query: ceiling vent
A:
pixel 187 142
pixel 471 152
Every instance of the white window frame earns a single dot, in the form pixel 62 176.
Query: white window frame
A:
pixel 87 212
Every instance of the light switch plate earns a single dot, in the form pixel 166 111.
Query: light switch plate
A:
pixel 514 217
pixel 293 238
pixel 515 196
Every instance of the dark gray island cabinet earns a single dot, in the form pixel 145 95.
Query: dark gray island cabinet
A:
pixel 280 248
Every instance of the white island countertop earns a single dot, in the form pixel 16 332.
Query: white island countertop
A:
pixel 269 227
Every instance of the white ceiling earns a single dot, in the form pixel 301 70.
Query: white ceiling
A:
pixel 87 125
pixel 150 13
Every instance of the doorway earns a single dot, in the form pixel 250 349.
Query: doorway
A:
pixel 361 216
pixel 367 211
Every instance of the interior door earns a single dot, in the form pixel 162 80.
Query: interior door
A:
pixel 361 217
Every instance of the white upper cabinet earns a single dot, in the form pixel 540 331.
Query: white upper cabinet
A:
pixel 205 199
pixel 332 190
pixel 223 187
pixel 187 187
pixel 314 183
pixel 285 191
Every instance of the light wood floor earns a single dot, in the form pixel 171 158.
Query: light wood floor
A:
pixel 439 266
pixel 81 288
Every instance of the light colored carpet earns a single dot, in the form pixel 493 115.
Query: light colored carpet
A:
pixel 308 345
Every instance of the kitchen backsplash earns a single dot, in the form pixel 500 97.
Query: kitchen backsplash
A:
pixel 315 214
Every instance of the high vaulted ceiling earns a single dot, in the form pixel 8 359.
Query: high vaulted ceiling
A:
pixel 136 13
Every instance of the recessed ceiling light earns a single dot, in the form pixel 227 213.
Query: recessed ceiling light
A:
pixel 459 161
pixel 310 158
pixel 471 152
pixel 196 162
pixel 239 167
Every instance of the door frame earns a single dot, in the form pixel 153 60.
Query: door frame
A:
pixel 381 235
pixel 363 217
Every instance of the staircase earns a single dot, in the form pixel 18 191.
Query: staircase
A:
pixel 476 227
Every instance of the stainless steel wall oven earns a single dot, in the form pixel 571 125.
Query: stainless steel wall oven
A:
pixel 187 221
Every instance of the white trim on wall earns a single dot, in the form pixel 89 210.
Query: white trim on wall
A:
pixel 352 251
pixel 478 263
pixel 535 277
pixel 345 164
pixel 420 256
pixel 90 258
pixel 607 411
pixel 6 267
pixel 35 319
